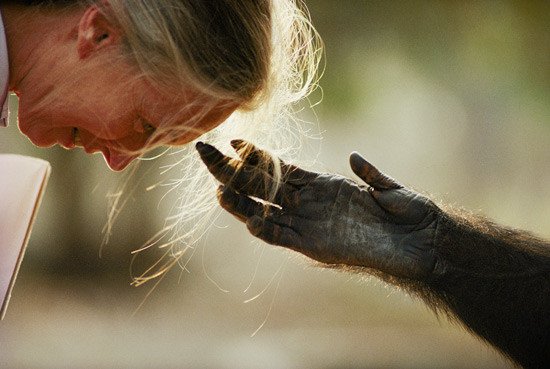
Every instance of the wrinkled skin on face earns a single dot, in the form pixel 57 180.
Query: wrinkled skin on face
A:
pixel 327 217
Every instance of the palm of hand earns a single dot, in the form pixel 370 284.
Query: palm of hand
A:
pixel 330 218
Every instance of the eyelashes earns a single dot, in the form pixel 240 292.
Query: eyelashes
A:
pixel 148 128
pixel 145 127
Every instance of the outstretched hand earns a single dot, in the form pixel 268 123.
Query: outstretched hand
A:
pixel 328 217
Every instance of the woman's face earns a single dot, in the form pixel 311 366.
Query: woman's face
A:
pixel 83 93
pixel 108 111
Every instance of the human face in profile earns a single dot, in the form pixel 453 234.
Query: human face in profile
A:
pixel 83 93
pixel 115 114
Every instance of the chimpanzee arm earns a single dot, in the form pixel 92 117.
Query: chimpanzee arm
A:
pixel 497 282
pixel 494 280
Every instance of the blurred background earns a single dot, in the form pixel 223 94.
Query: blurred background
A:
pixel 451 98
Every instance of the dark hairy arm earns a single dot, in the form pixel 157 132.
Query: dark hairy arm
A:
pixel 494 280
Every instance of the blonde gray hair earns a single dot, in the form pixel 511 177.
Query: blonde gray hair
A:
pixel 260 55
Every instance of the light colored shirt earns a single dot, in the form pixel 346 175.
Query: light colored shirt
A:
pixel 4 76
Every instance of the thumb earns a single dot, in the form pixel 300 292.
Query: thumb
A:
pixel 408 206
pixel 372 176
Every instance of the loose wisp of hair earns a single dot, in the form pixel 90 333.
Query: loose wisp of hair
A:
pixel 269 119
pixel 267 70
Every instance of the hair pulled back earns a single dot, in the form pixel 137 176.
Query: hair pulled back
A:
pixel 259 55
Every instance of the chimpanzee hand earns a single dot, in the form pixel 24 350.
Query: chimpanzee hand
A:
pixel 328 217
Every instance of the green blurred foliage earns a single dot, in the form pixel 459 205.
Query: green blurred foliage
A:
pixel 492 45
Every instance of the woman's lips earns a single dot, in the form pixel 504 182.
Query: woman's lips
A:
pixel 67 141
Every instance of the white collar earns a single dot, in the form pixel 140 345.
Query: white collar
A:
pixel 4 76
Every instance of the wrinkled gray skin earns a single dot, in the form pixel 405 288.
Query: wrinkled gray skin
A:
pixel 328 217
pixel 493 279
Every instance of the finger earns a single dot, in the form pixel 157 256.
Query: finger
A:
pixel 253 156
pixel 233 173
pixel 222 167
pixel 243 207
pixel 372 176
pixel 407 206
pixel 391 201
pixel 240 206
pixel 249 153
pixel 297 176
pixel 283 192
pixel 274 233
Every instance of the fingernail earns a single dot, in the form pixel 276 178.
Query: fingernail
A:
pixel 237 143
pixel 203 148
pixel 357 162
pixel 355 156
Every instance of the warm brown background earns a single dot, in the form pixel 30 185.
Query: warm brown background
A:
pixel 451 98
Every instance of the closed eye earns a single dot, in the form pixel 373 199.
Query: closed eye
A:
pixel 146 127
